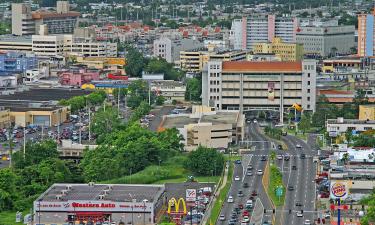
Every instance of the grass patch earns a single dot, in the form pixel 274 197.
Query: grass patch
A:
pixel 299 134
pixel 222 197
pixel 172 171
pixel 9 217
pixel 276 180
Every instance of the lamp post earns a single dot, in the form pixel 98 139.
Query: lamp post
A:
pixel 132 215
pixel 144 212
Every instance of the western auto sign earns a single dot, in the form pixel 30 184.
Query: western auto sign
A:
pixel 94 206
pixel 339 190
pixel 191 195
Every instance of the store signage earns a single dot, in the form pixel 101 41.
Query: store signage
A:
pixel 96 206
pixel 339 190
pixel 191 195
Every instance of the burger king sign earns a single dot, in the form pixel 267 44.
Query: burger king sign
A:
pixel 339 190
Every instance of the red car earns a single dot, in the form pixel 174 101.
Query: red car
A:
pixel 254 193
pixel 240 206
pixel 245 213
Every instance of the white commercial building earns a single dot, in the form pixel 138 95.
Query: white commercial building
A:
pixel 169 89
pixel 250 86
pixel 169 49
pixel 340 125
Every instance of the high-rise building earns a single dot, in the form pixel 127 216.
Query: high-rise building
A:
pixel 366 31
pixel 22 20
pixel 248 85
pixel 263 28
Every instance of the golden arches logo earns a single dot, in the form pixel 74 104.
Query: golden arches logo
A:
pixel 297 107
pixel 176 204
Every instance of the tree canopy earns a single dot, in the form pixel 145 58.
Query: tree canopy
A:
pixel 205 161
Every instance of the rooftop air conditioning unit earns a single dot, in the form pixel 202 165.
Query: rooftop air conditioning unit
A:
pixel 101 197
pixel 58 197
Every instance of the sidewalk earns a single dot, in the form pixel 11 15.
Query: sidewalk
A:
pixel 207 215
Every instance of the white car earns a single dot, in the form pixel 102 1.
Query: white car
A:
pixel 307 222
pixel 255 121
pixel 298 146
pixel 230 199
pixel 299 214
pixel 260 172
pixel 222 217
pixel 245 219
pixel 237 178
pixel 280 157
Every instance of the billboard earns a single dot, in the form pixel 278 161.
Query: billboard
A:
pixel 339 190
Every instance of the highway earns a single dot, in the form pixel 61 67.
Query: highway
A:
pixel 302 179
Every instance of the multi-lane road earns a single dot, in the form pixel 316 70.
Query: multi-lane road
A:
pixel 298 172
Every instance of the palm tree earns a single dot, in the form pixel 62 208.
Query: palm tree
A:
pixel 273 156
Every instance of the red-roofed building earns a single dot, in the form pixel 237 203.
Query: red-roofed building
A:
pixel 247 85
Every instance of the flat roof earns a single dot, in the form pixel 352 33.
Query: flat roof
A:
pixel 220 118
pixel 116 193
pixel 270 67
pixel 11 38
pixel 178 121
pixel 45 94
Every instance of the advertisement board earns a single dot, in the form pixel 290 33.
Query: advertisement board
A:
pixel 191 195
pixel 271 91
pixel 92 206
pixel 339 190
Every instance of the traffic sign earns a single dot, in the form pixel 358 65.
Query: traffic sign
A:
pixel 279 191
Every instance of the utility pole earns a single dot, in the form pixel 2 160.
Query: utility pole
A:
pixel 89 123
pixel 24 143
pixel 80 128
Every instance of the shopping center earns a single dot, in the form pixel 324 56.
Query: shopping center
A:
pixel 98 204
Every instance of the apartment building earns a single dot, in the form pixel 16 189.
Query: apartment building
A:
pixel 325 41
pixel 27 22
pixel 51 45
pixel 263 28
pixel 259 85
pixel 169 49
pixel 17 62
pixel 193 61
pixel 366 30
pixel 285 51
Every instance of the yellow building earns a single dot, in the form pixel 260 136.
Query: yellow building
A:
pixel 286 51
pixel 193 61
pixel 112 64
pixel 366 112
pixel 47 116
pixel 4 118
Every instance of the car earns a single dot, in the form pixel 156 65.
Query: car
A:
pixel 263 158
pixel 230 199
pixel 294 167
pixel 249 173
pixel 260 172
pixel 245 185
pixel 255 121
pixel 307 222
pixel 240 206
pixel 249 203
pixel 302 156
pixel 299 214
pixel 290 188
pixel 233 220
pixel 280 147
pixel 254 193
pixel 244 223
pixel 298 203
pixel 222 217
pixel 279 157
pixel 298 146
pixel 249 167
pixel 284 133
pixel 236 178
pixel 245 213
pixel 327 215
pixel 237 161
pixel 246 219
pixel 286 157
pixel 240 193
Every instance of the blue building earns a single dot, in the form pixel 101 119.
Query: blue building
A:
pixel 17 62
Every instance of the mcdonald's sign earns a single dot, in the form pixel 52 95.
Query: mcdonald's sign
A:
pixel 176 204
pixel 297 107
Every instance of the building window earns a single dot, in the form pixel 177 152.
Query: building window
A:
pixel 308 106
pixel 308 82
pixel 308 90
pixel 308 75
pixel 308 98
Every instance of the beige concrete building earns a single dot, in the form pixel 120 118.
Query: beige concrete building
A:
pixel 247 86
pixel 286 51
pixel 14 43
pixel 366 112
pixel 169 89
pixel 207 128
pixel 4 118
pixel 193 61
pixel 46 116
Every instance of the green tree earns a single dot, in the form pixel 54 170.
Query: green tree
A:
pixel 104 122
pixel 345 157
pixel 193 89
pixel 137 92
pixel 304 124
pixel 205 161
pixel 348 136
pixel 324 110
pixel 160 100
pixel 273 156
pixel 8 188
pixel 369 201
pixel 160 65
pixel 134 62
